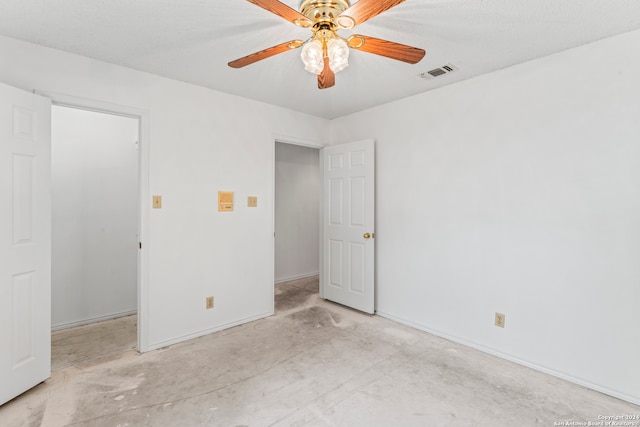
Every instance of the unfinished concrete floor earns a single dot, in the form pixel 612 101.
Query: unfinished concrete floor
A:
pixel 312 364
pixel 83 344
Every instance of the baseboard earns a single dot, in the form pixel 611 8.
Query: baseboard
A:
pixel 567 377
pixel 91 320
pixel 302 276
pixel 204 332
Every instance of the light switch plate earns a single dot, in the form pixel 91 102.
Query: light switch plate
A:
pixel 157 202
pixel 252 201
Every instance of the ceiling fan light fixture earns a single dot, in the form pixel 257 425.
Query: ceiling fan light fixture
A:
pixel 312 57
pixel 338 53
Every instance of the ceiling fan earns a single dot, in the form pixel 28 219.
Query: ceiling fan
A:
pixel 326 53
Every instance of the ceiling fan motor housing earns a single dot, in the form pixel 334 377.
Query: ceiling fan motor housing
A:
pixel 323 10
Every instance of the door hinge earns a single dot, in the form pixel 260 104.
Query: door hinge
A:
pixel 140 245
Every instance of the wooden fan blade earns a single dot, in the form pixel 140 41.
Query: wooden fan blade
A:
pixel 266 53
pixel 400 52
pixel 284 11
pixel 364 10
pixel 327 78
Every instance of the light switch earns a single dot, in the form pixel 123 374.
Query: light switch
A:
pixel 157 202
pixel 225 201
pixel 252 201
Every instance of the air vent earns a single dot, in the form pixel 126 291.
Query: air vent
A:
pixel 441 71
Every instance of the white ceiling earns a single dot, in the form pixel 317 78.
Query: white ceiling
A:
pixel 193 40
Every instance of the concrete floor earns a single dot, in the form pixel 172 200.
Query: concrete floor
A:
pixel 312 364
pixel 83 344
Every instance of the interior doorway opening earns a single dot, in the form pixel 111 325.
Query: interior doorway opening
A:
pixel 95 232
pixel 297 194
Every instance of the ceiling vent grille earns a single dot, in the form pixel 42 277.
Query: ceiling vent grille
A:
pixel 437 72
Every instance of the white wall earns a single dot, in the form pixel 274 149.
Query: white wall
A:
pixel 518 192
pixel 297 196
pixel 200 142
pixel 94 168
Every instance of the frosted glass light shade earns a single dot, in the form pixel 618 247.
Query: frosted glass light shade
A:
pixel 311 56
pixel 338 53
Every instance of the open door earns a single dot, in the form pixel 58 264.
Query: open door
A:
pixel 25 241
pixel 347 271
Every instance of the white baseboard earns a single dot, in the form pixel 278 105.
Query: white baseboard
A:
pixel 91 320
pixel 204 332
pixel 613 393
pixel 302 276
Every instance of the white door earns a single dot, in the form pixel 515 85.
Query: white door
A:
pixel 347 273
pixel 25 241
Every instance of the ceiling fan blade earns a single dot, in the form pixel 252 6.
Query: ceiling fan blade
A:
pixel 266 53
pixel 284 11
pixel 327 78
pixel 364 10
pixel 400 52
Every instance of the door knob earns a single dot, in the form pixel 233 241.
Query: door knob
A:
pixel 367 235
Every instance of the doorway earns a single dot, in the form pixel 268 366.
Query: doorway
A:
pixel 297 212
pixel 346 219
pixel 95 232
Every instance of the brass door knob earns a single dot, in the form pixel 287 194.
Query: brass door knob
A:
pixel 367 235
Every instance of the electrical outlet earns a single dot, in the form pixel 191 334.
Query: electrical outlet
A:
pixel 209 302
pixel 500 320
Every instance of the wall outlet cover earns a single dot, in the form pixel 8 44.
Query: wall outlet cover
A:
pixel 500 318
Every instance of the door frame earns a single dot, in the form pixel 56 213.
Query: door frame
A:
pixel 272 249
pixel 143 194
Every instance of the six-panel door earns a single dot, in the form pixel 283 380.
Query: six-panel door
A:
pixel 348 225
pixel 25 241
